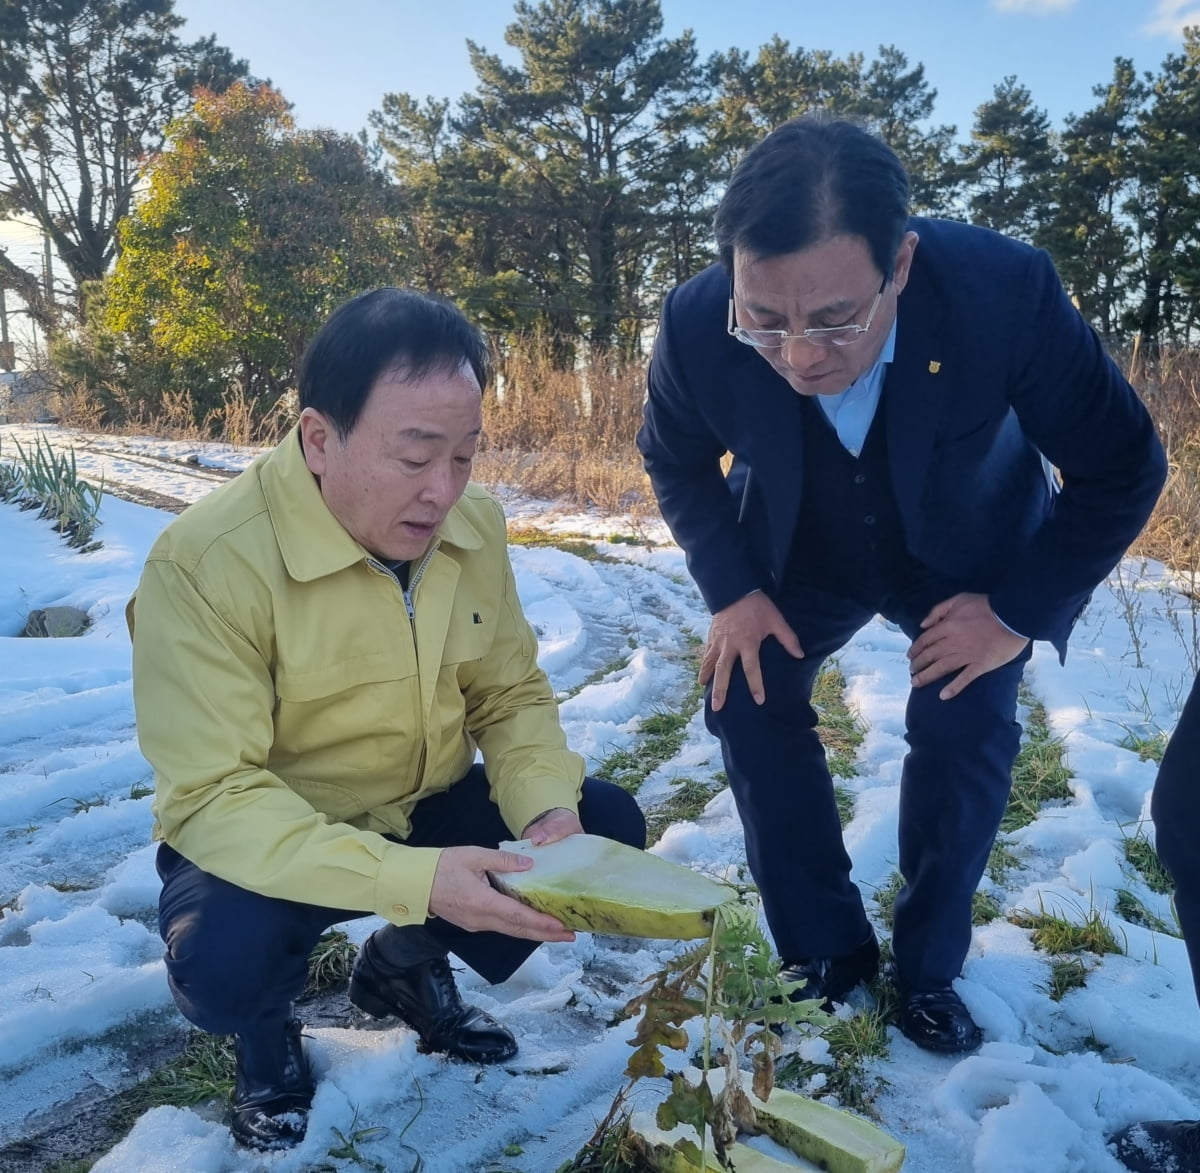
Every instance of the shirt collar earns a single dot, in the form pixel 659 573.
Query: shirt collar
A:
pixel 889 347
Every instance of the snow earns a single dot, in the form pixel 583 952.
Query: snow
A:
pixel 80 960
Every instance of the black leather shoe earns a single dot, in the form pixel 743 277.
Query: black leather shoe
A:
pixel 273 1089
pixel 426 997
pixel 937 1020
pixel 832 978
pixel 1159 1146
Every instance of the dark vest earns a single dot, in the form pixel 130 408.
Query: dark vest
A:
pixel 849 536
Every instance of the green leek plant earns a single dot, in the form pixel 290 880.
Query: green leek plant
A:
pixel 48 480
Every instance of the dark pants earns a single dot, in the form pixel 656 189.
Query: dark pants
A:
pixel 237 959
pixel 1175 807
pixel 954 786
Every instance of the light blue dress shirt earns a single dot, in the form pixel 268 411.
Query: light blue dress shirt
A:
pixel 851 411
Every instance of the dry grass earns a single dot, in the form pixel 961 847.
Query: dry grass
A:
pixel 567 434
pixel 1171 390
pixel 559 434
pixel 238 420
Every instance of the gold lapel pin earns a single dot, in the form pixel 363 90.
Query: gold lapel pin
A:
pixel 934 366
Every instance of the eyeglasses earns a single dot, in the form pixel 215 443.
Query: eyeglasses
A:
pixel 821 336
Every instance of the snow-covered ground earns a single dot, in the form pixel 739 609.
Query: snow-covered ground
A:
pixel 80 968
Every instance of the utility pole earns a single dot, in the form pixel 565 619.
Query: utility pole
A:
pixel 47 270
pixel 7 356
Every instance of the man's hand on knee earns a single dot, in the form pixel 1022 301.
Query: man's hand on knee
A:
pixel 737 633
pixel 463 895
pixel 961 635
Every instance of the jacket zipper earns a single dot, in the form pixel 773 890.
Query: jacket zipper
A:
pixel 413 579
pixel 407 595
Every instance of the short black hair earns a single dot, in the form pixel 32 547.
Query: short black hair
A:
pixel 386 329
pixel 811 179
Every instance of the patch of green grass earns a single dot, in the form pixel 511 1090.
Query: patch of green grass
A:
pixel 614 665
pixel 1150 747
pixel 611 1148
pixel 1066 974
pixel 985 908
pixel 839 727
pixel 1039 775
pixel 882 988
pixel 1140 852
pixel 1053 933
pixel 853 1043
pixel 1130 908
pixel 660 735
pixel 845 799
pixel 659 738
pixel 689 799
pixel 203 1072
pixel 1002 860
pixel 330 962
pixel 858 1038
pixel 578 544
pixel 885 898
pixel 141 790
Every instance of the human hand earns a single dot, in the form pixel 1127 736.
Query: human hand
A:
pixel 463 895
pixel 552 826
pixel 961 633
pixel 736 633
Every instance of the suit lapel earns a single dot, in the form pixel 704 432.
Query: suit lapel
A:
pixel 915 392
pixel 768 416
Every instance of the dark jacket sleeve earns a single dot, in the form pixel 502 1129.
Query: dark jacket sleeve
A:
pixel 682 455
pixel 1074 404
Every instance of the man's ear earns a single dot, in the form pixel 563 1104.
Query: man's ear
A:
pixel 316 435
pixel 904 256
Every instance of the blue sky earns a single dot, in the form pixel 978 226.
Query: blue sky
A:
pixel 335 61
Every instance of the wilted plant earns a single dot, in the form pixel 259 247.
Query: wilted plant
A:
pixel 734 983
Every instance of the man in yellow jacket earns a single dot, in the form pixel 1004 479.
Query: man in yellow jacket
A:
pixel 321 647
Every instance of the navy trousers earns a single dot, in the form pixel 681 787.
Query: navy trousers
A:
pixel 1175 807
pixel 236 960
pixel 954 785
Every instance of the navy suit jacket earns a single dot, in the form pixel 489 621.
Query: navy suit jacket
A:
pixel 994 367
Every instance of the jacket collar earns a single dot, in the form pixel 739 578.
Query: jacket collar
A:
pixel 312 541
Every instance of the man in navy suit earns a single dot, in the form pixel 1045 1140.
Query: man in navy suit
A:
pixel 896 394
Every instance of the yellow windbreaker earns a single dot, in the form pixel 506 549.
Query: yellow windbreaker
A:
pixel 295 710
